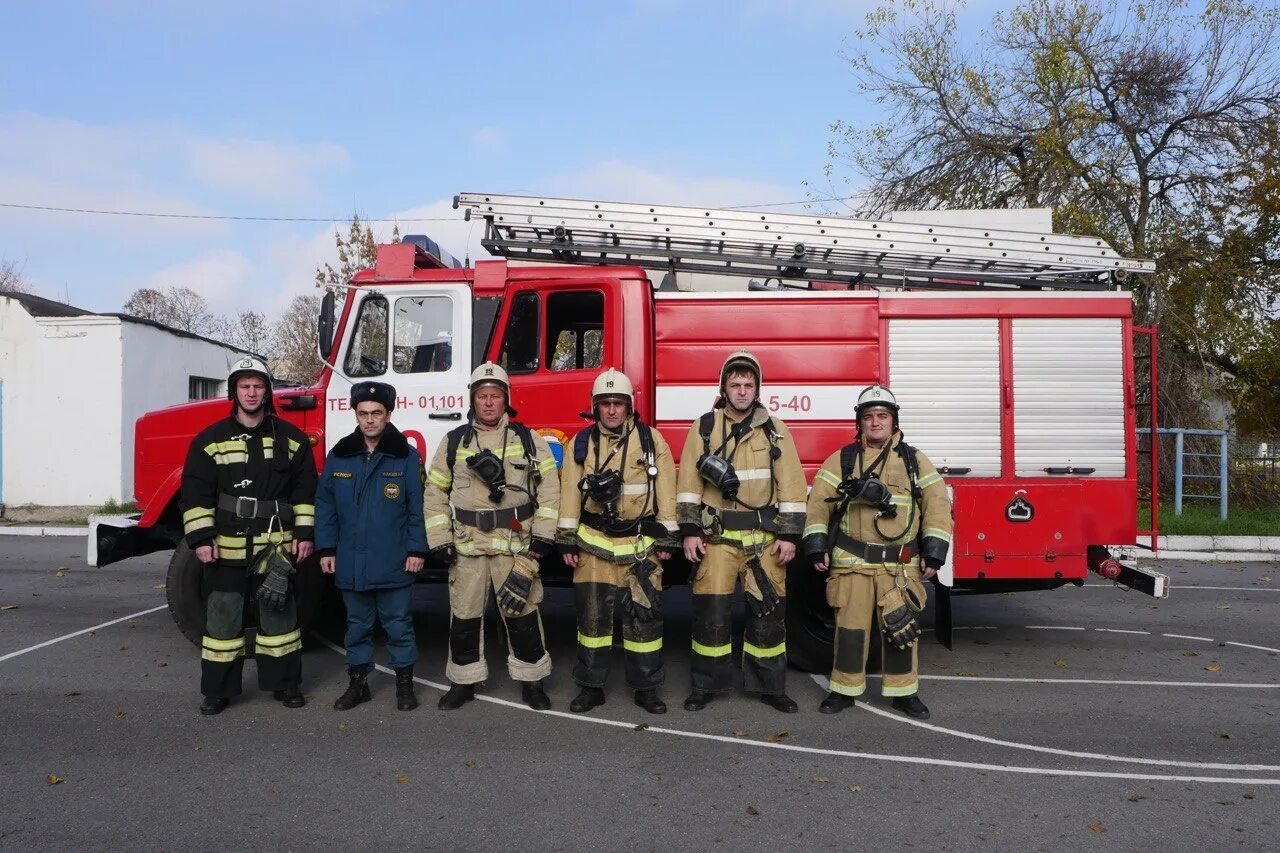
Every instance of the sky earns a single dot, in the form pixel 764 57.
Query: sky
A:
pixel 321 110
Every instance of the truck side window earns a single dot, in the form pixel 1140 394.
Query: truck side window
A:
pixel 423 339
pixel 575 330
pixel 367 355
pixel 520 343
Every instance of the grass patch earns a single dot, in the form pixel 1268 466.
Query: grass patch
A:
pixel 113 508
pixel 1200 518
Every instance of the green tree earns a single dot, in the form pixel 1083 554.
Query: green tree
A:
pixel 1147 124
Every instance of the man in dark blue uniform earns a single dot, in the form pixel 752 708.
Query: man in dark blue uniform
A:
pixel 370 536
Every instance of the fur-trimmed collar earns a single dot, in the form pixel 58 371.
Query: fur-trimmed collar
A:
pixel 392 443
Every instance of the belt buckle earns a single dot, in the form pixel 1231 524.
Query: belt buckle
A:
pixel 241 501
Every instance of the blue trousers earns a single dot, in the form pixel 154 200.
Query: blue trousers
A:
pixel 391 608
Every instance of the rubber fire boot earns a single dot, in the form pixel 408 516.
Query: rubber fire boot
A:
pixel 357 688
pixel 648 699
pixel 835 703
pixel 406 699
pixel 458 695
pixel 534 696
pixel 213 705
pixel 587 698
pixel 780 702
pixel 911 706
pixel 698 700
pixel 290 697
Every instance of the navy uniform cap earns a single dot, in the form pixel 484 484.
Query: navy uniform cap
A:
pixel 373 392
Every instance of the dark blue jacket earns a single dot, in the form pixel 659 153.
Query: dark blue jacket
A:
pixel 369 511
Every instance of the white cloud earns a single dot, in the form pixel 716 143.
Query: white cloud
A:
pixel 617 180
pixel 218 276
pixel 260 169
pixel 489 138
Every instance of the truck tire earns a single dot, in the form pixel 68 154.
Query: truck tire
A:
pixel 811 623
pixel 182 590
pixel 319 605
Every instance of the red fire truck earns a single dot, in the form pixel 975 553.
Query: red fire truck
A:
pixel 1011 353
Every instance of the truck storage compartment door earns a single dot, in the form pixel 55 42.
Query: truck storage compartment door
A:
pixel 1068 397
pixel 1024 531
pixel 946 376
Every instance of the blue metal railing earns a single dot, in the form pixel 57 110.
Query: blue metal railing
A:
pixel 1179 473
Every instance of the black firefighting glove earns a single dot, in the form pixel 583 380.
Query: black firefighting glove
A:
pixel 641 599
pixel 445 554
pixel 768 596
pixel 513 596
pixel 273 592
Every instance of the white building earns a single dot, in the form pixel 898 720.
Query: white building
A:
pixel 72 384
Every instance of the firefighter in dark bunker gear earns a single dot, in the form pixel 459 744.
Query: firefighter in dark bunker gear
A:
pixel 248 487
pixel 490 506
pixel 370 537
pixel 878 509
pixel 617 524
pixel 740 502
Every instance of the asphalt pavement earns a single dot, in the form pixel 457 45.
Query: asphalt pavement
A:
pixel 1076 719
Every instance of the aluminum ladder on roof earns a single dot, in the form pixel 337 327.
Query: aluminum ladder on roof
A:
pixel 854 252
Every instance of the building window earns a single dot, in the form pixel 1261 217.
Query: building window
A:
pixel 203 388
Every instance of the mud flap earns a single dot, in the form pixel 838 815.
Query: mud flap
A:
pixel 942 613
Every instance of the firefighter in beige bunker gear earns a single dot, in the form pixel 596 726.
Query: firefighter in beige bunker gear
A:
pixel 617 524
pixel 877 511
pixel 490 508
pixel 248 513
pixel 740 503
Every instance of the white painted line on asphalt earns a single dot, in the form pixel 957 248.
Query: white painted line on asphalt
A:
pixel 1251 646
pixel 46 643
pixel 27 530
pixel 1188 637
pixel 1116 681
pixel 841 753
pixel 1094 756
pixel 1054 628
pixel 1121 631
pixel 1180 587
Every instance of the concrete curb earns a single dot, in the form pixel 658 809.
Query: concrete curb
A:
pixel 1211 556
pixel 41 530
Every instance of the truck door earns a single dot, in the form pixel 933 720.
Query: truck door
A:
pixel 554 338
pixel 418 340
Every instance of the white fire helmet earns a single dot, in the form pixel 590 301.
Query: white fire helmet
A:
pixel 612 383
pixel 741 360
pixel 876 396
pixel 249 365
pixel 489 374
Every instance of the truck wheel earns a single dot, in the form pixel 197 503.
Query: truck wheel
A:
pixel 182 590
pixel 811 623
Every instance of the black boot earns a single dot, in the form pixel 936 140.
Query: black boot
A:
pixel 357 688
pixel 406 699
pixel 458 695
pixel 290 697
pixel 213 705
pixel 835 703
pixel 911 706
pixel 648 699
pixel 534 696
pixel 780 702
pixel 698 700
pixel 587 698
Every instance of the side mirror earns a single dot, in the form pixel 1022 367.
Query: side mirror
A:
pixel 324 328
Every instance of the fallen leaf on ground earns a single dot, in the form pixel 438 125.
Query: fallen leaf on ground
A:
pixel 61 572
pixel 1224 735
pixel 1133 798
pixel 753 811
pixel 1060 663
pixel 1224 606
pixel 640 727
pixel 124 648
pixel 1214 667
pixel 53 780
pixel 1248 795
pixel 966 674
pixel 740 733
pixel 778 737
pixel 342 727
pixel 1097 827
pixel 120 715
pixel 821 779
pixel 471 764
pixel 857 789
pixel 1190 654
pixel 72 693
pixel 162 663
pixel 1226 802
pixel 10 606
pixel 402 778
